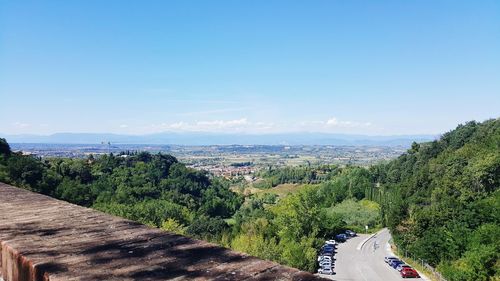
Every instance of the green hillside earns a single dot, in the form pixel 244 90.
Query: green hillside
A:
pixel 442 202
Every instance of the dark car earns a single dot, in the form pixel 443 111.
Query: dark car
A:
pixel 327 253
pixel 409 273
pixel 391 261
pixel 388 259
pixel 350 233
pixel 326 246
pixel 341 237
pixel 323 250
pixel 395 264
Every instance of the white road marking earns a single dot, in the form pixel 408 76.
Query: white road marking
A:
pixel 360 245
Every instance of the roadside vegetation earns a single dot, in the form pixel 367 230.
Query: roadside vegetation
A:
pixel 440 199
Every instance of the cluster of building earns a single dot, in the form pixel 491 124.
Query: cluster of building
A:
pixel 228 172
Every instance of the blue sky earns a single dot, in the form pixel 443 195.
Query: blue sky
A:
pixel 137 67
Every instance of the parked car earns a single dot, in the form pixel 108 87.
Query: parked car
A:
pixel 327 246
pixel 325 263
pixel 401 266
pixel 341 237
pixel 326 270
pixel 328 250
pixel 331 243
pixel 409 273
pixel 395 264
pixel 391 261
pixel 388 259
pixel 324 258
pixel 350 233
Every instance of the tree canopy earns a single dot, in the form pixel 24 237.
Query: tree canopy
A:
pixel 442 197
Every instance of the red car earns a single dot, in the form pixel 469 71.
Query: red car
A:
pixel 409 273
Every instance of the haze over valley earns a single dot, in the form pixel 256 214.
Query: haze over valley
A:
pixel 250 140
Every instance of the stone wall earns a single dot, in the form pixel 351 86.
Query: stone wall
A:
pixel 47 239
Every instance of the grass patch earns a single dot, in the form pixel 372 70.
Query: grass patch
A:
pixel 283 190
pixel 358 214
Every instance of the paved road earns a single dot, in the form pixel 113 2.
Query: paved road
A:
pixel 364 262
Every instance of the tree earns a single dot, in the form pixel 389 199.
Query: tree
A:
pixel 25 171
pixel 4 148
pixel 206 227
pixel 442 199
pixel 173 226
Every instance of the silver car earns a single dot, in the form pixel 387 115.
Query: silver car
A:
pixel 325 270
pixel 324 258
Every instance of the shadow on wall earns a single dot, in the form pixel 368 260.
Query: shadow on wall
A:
pixel 139 254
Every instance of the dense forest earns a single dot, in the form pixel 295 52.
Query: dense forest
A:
pixel 440 200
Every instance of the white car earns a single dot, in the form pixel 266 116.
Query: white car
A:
pixel 324 258
pixel 325 264
pixel 325 270
pixel 331 242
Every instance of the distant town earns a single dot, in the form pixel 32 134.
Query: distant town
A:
pixel 228 161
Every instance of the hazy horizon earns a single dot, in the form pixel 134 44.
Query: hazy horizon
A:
pixel 220 133
pixel 210 138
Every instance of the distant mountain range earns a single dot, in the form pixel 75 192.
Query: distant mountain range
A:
pixel 201 138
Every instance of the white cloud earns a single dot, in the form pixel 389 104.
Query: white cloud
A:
pixel 123 126
pixel 245 125
pixel 221 126
pixel 21 125
pixel 334 122
pixel 335 125
pixel 178 125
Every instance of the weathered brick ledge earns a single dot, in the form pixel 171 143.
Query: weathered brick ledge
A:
pixel 47 239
